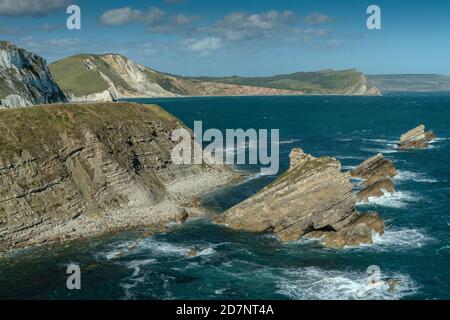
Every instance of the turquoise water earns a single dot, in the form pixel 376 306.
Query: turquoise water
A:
pixel 414 250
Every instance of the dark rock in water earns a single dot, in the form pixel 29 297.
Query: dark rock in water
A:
pixel 378 173
pixel 312 197
pixel 416 138
pixel 192 253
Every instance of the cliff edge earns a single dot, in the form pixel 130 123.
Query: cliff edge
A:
pixel 72 171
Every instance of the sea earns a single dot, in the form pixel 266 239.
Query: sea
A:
pixel 412 258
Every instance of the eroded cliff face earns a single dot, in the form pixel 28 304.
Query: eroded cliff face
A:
pixel 71 171
pixel 25 79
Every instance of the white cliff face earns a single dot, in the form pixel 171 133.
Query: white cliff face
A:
pixel 25 79
pixel 135 76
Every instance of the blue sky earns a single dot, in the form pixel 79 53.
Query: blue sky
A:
pixel 243 37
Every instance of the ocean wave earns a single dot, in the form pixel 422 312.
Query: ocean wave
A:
pixel 289 141
pixel 343 139
pixel 380 150
pixel 401 239
pixel 403 175
pixel 350 158
pixel 313 283
pixel 158 247
pixel 397 199
pixel 137 264
pixel 348 167
pixel 437 140
pixel 382 141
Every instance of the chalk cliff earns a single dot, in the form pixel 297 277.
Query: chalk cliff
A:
pixel 25 79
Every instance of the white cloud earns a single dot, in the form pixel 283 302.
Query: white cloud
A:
pixel 242 26
pixel 182 20
pixel 317 18
pixel 203 46
pixel 154 16
pixel 31 7
pixel 116 17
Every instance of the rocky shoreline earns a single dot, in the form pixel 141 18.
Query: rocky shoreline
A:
pixel 75 171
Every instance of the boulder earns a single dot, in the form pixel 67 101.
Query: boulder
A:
pixel 313 196
pixel 416 138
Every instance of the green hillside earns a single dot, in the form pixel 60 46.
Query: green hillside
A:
pixel 320 82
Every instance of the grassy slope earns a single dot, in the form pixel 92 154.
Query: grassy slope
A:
pixel 73 77
pixel 410 82
pixel 23 127
pixel 327 81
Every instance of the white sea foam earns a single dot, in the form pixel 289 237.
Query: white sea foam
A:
pixel 397 199
pixel 137 264
pixel 380 150
pixel 400 239
pixel 382 141
pixel 315 283
pixel 348 167
pixel 157 247
pixel 403 175
pixel 350 158
pixel 344 139
pixel 290 141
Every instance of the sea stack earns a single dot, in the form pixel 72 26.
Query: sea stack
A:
pixel 377 173
pixel 416 138
pixel 313 198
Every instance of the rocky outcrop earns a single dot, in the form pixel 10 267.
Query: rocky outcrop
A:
pixel 377 173
pixel 25 79
pixel 416 138
pixel 72 171
pixel 312 198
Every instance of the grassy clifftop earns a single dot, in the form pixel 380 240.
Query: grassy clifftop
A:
pixel 43 125
pixel 320 82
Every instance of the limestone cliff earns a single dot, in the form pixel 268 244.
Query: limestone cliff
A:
pixel 25 79
pixel 71 171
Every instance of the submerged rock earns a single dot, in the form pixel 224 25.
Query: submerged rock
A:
pixel 416 138
pixel 377 173
pixel 313 197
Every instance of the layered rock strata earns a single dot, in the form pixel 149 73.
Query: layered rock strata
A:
pixel 73 171
pixel 313 198
pixel 377 173
pixel 416 138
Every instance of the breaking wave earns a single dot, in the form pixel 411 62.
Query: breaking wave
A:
pixel 314 283
pixel 403 175
pixel 397 199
